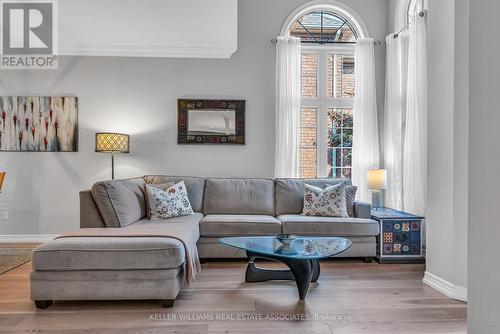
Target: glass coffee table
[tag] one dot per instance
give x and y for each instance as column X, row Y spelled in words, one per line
column 302, row 257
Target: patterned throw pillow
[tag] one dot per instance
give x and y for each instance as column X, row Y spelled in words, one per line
column 328, row 202
column 162, row 186
column 168, row 203
column 350, row 196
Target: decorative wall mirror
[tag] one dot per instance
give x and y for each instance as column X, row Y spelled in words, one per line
column 211, row 121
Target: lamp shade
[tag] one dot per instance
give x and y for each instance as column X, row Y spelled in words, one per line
column 2, row 178
column 109, row 142
column 377, row 179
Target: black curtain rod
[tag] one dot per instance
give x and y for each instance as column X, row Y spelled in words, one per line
column 375, row 42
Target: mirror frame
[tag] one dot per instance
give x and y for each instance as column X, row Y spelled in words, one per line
column 184, row 105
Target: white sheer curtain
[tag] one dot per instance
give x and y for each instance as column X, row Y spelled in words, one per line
column 394, row 117
column 415, row 138
column 287, row 107
column 365, row 147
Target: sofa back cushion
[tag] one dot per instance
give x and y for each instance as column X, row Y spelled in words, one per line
column 239, row 196
column 290, row 193
column 194, row 185
column 120, row 202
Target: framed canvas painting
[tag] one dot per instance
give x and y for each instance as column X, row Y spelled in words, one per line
column 39, row 123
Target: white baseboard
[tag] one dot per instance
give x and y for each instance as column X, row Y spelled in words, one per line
column 449, row 289
column 26, row 238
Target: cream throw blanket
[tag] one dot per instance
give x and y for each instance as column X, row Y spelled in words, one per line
column 187, row 233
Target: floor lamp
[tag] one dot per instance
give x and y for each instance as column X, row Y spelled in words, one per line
column 113, row 143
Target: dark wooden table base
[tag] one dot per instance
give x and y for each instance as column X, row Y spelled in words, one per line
column 302, row 271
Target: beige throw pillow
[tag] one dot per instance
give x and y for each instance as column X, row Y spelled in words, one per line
column 328, row 202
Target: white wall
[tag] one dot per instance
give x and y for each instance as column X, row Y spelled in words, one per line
column 138, row 96
column 447, row 148
column 447, row 184
column 484, row 164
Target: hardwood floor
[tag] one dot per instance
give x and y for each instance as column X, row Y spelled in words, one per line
column 350, row 297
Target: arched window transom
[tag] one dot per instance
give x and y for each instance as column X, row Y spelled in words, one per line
column 323, row 27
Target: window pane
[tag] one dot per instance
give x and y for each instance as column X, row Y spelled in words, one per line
column 334, row 137
column 307, row 148
column 339, row 142
column 347, row 118
column 334, row 158
column 334, row 117
column 335, row 173
column 346, row 137
column 340, row 76
column 347, row 90
column 346, row 173
column 346, row 157
column 309, row 74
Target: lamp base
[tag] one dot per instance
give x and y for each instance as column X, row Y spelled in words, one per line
column 377, row 202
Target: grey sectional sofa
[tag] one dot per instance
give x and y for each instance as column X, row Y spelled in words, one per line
column 152, row 268
column 240, row 207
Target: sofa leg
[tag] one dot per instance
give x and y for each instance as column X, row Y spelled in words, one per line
column 43, row 304
column 368, row 259
column 167, row 303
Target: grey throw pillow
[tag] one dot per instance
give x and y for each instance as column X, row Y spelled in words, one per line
column 350, row 196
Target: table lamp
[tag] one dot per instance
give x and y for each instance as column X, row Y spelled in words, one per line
column 2, row 178
column 377, row 181
column 113, row 143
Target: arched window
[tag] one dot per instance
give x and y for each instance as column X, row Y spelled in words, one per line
column 328, row 34
column 323, row 27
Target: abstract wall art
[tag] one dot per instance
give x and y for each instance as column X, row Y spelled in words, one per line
column 39, row 123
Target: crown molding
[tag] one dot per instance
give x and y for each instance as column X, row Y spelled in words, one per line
column 156, row 51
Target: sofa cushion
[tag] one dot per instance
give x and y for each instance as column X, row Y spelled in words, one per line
column 333, row 226
column 194, row 185
column 290, row 192
column 120, row 202
column 109, row 253
column 145, row 223
column 234, row 225
column 239, row 196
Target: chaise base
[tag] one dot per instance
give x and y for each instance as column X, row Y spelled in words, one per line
column 161, row 284
column 43, row 304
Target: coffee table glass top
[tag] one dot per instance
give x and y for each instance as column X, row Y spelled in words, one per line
column 301, row 248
